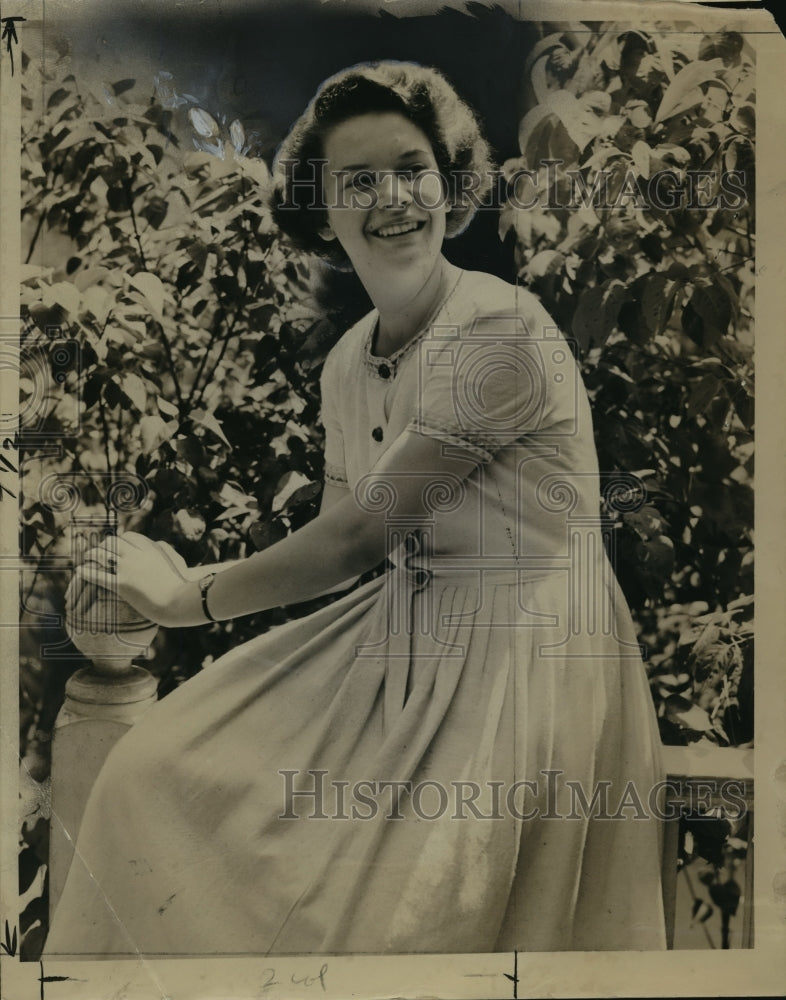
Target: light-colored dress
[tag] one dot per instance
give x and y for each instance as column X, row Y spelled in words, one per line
column 458, row 756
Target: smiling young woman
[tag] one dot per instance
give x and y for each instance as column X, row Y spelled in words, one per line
column 387, row 774
column 392, row 239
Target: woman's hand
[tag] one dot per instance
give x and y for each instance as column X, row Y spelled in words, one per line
column 150, row 576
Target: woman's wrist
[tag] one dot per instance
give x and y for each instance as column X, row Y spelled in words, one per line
column 191, row 606
column 186, row 609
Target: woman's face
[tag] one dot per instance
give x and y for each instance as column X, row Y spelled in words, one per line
column 385, row 197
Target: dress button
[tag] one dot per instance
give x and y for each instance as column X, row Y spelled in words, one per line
column 377, row 434
column 383, row 371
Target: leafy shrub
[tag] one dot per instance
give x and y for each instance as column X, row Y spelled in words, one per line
column 659, row 301
column 181, row 350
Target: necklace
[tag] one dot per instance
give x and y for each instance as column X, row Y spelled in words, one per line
column 386, row 367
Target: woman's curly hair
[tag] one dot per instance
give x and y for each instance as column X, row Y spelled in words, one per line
column 419, row 93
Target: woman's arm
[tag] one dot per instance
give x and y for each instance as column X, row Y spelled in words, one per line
column 342, row 542
column 330, row 495
column 337, row 546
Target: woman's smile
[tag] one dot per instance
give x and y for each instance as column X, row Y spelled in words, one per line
column 392, row 230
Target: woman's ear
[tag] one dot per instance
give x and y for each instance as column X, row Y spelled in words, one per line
column 326, row 232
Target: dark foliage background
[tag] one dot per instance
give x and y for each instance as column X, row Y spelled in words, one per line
column 172, row 341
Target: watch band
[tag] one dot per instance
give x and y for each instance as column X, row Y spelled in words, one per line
column 204, row 585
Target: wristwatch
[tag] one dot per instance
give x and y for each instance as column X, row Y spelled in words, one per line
column 204, row 585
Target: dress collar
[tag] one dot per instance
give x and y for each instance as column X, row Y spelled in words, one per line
column 386, row 368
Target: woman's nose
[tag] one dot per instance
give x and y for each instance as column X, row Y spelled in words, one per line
column 393, row 190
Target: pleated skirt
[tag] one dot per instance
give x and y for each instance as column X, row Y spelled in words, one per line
column 417, row 768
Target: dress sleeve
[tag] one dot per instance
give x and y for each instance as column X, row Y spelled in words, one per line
column 335, row 463
column 493, row 382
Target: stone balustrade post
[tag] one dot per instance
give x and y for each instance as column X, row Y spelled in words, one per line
column 102, row 701
column 100, row 705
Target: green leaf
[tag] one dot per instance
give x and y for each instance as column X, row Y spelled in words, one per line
column 112, row 393
column 303, row 494
column 580, row 121
column 152, row 290
column 706, row 316
column 687, row 715
column 718, row 411
column 712, row 303
column 72, row 134
column 136, row 390
column 57, row 97
column 155, row 211
column 122, row 86
column 597, row 313
column 666, row 54
column 640, row 154
column 230, row 495
column 135, row 327
column 92, row 389
column 266, row 533
column 544, row 263
column 655, row 304
column 709, row 636
column 646, row 522
column 208, row 420
column 167, row 408
column 154, row 430
column 64, row 294
column 685, row 89
column 198, row 252
column 702, row 394
column 548, row 139
column 745, row 407
column 743, row 119
column 543, row 48
column 117, row 199
column 589, row 319
column 693, row 324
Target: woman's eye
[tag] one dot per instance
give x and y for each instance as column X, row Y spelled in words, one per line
column 365, row 180
column 360, row 181
column 409, row 173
